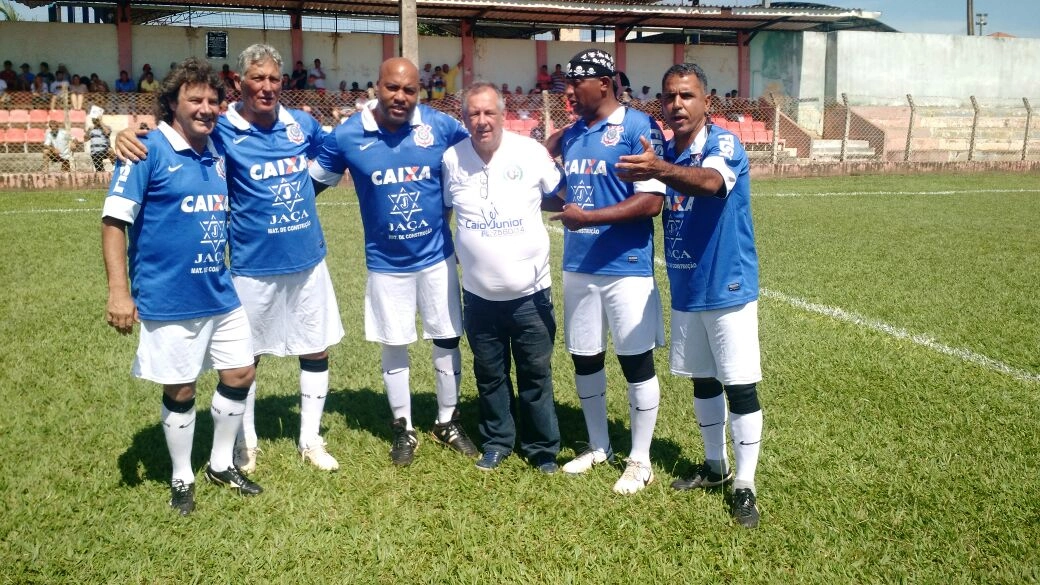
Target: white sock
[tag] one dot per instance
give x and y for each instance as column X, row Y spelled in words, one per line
column 746, row 430
column 179, row 429
column 592, row 392
column 227, row 419
column 395, row 378
column 447, row 371
column 314, row 387
column 247, row 434
column 711, row 419
column 643, row 401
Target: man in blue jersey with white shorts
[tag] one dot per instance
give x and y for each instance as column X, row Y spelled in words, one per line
column 393, row 150
column 713, row 274
column 277, row 245
column 175, row 205
column 608, row 265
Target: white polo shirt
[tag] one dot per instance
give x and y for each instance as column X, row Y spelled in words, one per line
column 500, row 239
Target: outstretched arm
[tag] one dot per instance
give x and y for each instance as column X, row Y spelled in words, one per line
column 686, row 180
column 637, row 207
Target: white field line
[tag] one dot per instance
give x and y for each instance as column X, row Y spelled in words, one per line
column 920, row 339
column 858, row 193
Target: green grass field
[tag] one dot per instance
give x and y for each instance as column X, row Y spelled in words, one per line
column 900, row 346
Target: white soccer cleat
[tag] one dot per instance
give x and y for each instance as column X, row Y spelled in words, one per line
column 245, row 458
column 316, row 454
column 637, row 476
column 586, row 460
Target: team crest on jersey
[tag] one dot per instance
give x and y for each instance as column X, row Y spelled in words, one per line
column 513, row 173
column 294, row 133
column 581, row 195
column 219, row 165
column 423, row 135
column 405, row 203
column 613, row 135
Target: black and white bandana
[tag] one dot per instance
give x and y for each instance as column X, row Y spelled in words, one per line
column 590, row 63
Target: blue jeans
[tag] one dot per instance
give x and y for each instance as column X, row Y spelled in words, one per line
column 521, row 330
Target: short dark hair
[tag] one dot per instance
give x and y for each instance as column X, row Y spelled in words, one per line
column 685, row 70
column 190, row 71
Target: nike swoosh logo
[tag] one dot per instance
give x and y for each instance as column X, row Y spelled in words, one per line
column 238, row 139
column 364, row 147
column 174, row 168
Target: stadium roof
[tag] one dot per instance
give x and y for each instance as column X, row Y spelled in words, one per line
column 540, row 15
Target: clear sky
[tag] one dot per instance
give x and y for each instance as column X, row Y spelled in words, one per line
column 1017, row 17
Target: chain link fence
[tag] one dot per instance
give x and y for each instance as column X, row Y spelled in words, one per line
column 774, row 129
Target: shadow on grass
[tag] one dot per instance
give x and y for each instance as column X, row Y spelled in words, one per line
column 146, row 459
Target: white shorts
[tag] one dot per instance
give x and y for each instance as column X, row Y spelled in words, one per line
column 720, row 344
column 629, row 305
column 391, row 300
column 291, row 314
column 177, row 352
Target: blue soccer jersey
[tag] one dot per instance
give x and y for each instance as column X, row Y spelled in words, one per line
column 709, row 242
column 176, row 204
column 274, row 221
column 589, row 155
column 397, row 176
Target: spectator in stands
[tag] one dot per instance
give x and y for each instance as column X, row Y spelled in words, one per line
column 98, row 85
column 77, row 92
column 100, row 147
column 8, row 76
column 145, row 70
column 438, row 90
column 505, row 89
column 426, row 76
column 41, row 92
column 299, row 76
column 124, row 84
column 45, row 72
column 25, row 78
column 59, row 90
column 4, row 98
column 543, row 80
column 644, row 95
column 354, row 86
column 319, row 75
column 148, row 84
column 626, row 96
column 559, row 80
column 286, row 82
column 451, row 77
column 228, row 77
column 57, row 147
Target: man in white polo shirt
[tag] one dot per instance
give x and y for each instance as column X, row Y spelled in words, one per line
column 495, row 182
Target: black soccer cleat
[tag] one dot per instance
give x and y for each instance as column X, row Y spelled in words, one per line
column 743, row 508
column 233, row 478
column 451, row 434
column 182, row 497
column 703, row 478
column 405, row 442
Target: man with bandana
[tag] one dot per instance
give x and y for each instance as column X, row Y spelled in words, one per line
column 608, row 263
column 393, row 151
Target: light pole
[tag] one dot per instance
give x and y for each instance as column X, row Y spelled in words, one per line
column 971, row 16
column 980, row 20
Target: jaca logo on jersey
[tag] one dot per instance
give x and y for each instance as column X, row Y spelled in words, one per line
column 613, row 135
column 423, row 135
column 294, row 133
column 586, row 166
column 197, row 203
column 400, row 175
column 279, row 168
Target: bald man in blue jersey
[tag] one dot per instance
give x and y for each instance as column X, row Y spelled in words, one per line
column 713, row 274
column 393, row 149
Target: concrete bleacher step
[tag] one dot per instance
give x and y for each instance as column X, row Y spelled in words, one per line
column 828, row 149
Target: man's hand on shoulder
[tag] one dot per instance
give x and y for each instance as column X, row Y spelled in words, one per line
column 128, row 146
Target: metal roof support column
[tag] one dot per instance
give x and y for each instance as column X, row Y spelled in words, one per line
column 620, row 54
column 744, row 64
column 466, row 32
column 389, row 46
column 541, row 54
column 409, row 31
column 124, row 38
column 678, row 54
column 295, row 37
